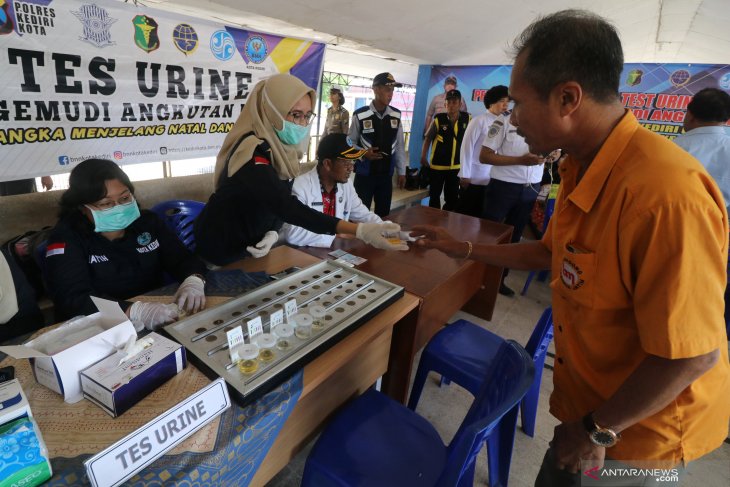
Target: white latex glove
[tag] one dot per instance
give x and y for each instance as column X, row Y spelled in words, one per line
column 152, row 315
column 190, row 296
column 372, row 234
column 262, row 248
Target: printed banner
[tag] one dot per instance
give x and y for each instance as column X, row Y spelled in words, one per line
column 112, row 80
column 658, row 94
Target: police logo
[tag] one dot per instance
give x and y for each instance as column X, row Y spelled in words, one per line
column 256, row 49
column 145, row 33
column 96, row 22
column 367, row 124
column 394, row 123
column 6, row 18
column 185, row 38
column 222, row 45
column 570, row 275
column 144, row 238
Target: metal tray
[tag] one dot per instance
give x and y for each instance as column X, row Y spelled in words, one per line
column 351, row 298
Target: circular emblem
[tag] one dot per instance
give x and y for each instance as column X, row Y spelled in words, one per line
column 144, row 238
column 256, row 49
column 493, row 131
column 680, row 77
column 185, row 38
column 724, row 82
column 571, row 275
column 222, row 45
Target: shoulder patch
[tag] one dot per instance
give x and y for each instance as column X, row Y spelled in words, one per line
column 55, row 249
column 494, row 130
column 261, row 160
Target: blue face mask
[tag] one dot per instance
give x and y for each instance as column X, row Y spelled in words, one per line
column 291, row 133
column 115, row 218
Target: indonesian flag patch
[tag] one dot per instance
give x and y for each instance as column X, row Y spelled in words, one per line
column 55, row 249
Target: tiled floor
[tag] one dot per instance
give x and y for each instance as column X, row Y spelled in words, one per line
column 445, row 407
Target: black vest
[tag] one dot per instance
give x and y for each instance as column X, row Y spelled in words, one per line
column 380, row 133
column 446, row 144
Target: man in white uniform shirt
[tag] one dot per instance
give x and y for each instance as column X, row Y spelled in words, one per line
column 327, row 188
column 473, row 175
column 515, row 180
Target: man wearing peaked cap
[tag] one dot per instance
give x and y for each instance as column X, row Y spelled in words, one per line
column 378, row 129
column 328, row 189
column 438, row 102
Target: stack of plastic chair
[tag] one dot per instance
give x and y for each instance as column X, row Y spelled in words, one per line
column 376, row 441
column 542, row 275
column 179, row 215
column 462, row 352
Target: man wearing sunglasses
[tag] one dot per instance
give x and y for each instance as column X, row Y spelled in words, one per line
column 327, row 188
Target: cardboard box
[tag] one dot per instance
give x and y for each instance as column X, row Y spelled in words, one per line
column 116, row 387
column 13, row 403
column 59, row 371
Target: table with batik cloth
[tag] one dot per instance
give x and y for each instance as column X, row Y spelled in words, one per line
column 245, row 445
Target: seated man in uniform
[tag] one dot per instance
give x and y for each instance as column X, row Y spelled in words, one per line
column 327, row 188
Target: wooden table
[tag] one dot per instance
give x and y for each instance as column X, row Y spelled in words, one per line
column 339, row 374
column 444, row 285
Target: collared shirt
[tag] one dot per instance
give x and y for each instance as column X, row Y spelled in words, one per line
column 438, row 105
column 399, row 150
column 503, row 139
column 338, row 121
column 711, row 146
column 639, row 250
column 471, row 146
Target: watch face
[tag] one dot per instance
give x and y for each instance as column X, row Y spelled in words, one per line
column 603, row 438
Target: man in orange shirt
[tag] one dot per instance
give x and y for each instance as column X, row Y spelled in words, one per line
column 637, row 246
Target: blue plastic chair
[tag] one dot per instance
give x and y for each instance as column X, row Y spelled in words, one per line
column 541, row 275
column 463, row 351
column 179, row 215
column 376, row 441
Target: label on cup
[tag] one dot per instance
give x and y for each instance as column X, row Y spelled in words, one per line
column 290, row 308
column 255, row 327
column 235, row 339
column 276, row 319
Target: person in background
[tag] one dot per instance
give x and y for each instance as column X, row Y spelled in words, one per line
column 24, row 186
column 438, row 103
column 259, row 158
column 707, row 136
column 473, row 175
column 445, row 136
column 515, row 180
column 327, row 188
column 338, row 118
column 19, row 312
column 637, row 246
column 104, row 246
column 378, row 129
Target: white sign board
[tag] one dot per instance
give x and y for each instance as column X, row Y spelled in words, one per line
column 114, row 80
column 139, row 449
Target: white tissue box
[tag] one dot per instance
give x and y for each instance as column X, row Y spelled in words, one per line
column 59, row 355
column 116, row 387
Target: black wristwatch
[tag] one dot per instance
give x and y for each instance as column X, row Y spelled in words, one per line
column 600, row 436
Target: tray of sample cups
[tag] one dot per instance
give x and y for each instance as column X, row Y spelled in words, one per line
column 258, row 339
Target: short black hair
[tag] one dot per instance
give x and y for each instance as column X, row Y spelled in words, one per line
column 572, row 45
column 494, row 94
column 87, row 184
column 710, row 105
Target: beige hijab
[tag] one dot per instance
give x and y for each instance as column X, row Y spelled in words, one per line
column 270, row 101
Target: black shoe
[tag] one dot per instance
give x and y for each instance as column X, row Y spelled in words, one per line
column 505, row 291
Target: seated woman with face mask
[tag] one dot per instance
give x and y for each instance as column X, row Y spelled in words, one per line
column 104, row 246
column 253, row 173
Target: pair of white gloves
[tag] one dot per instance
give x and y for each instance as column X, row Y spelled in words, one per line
column 190, row 297
column 370, row 233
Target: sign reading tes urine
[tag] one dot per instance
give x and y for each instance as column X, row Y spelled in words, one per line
column 136, row 451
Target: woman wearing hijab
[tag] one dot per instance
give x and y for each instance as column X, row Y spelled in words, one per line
column 104, row 246
column 259, row 158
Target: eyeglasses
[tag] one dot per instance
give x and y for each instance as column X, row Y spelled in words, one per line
column 346, row 162
column 109, row 204
column 301, row 118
